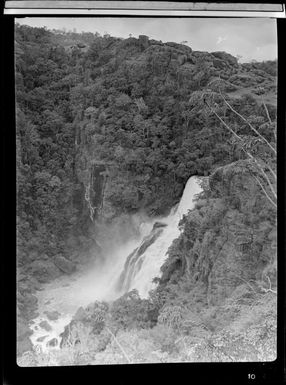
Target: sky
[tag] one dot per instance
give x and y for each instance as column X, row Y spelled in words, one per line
column 250, row 38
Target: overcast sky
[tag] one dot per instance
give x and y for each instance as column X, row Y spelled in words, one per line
column 250, row 38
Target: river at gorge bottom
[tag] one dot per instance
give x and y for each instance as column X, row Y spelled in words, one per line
column 59, row 300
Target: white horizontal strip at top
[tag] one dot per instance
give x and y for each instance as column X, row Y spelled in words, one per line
column 144, row 5
column 132, row 12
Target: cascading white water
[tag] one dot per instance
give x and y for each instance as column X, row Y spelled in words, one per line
column 140, row 270
column 134, row 262
column 66, row 294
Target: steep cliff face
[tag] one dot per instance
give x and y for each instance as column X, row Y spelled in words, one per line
column 228, row 240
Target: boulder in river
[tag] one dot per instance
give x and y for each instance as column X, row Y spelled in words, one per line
column 45, row 325
column 66, row 333
column 53, row 342
column 80, row 314
column 64, row 264
column 41, row 339
column 52, row 315
column 158, row 225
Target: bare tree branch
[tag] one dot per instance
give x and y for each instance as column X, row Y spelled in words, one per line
column 258, row 165
column 223, row 122
column 267, row 112
column 272, row 172
column 120, row 347
column 269, row 289
column 242, row 279
column 265, row 192
column 249, row 124
column 266, row 177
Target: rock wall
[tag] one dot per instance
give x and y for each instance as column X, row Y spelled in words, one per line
column 228, row 240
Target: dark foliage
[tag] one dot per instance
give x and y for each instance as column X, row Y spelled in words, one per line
column 85, row 100
column 105, row 126
column 130, row 311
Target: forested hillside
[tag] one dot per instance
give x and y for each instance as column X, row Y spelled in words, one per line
column 109, row 126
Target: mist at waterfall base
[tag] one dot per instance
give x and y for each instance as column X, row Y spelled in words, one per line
column 132, row 258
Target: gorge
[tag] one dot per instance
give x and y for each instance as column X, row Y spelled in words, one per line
column 118, row 259
column 63, row 298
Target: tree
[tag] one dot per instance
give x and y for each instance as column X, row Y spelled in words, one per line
column 260, row 152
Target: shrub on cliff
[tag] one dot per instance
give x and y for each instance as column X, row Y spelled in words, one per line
column 130, row 311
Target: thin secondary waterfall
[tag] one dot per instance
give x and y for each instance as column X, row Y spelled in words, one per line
column 132, row 264
column 144, row 263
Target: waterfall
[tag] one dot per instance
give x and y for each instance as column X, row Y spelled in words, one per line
column 130, row 262
column 144, row 263
column 87, row 198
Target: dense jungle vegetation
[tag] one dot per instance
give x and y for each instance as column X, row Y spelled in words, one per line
column 145, row 116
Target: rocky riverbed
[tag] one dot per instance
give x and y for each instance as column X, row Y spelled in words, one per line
column 48, row 307
column 32, row 281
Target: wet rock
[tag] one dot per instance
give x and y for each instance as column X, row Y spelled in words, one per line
column 53, row 342
column 45, row 325
column 80, row 314
column 64, row 264
column 148, row 241
column 66, row 333
column 158, row 225
column 41, row 339
column 52, row 315
column 93, row 315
